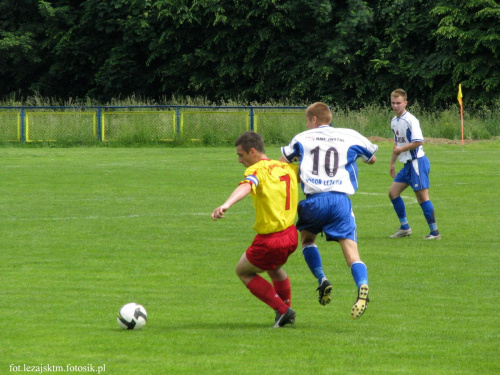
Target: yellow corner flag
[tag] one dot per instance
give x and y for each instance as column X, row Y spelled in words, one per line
column 459, row 98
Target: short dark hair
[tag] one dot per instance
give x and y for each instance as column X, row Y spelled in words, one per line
column 249, row 140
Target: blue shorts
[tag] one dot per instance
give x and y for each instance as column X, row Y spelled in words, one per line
column 330, row 213
column 415, row 173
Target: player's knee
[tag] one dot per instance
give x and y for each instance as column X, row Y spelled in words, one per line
column 243, row 272
column 306, row 244
column 239, row 270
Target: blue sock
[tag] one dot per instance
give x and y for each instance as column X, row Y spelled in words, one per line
column 313, row 260
column 359, row 273
column 428, row 210
column 399, row 207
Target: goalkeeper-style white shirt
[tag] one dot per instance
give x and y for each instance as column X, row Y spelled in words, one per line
column 407, row 129
column 327, row 158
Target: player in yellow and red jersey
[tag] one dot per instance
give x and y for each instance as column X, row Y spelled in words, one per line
column 273, row 186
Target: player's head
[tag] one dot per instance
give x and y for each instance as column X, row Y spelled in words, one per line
column 399, row 92
column 399, row 101
column 249, row 140
column 250, row 148
column 318, row 114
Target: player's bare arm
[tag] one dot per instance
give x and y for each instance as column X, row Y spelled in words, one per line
column 372, row 160
column 238, row 194
column 392, row 168
column 283, row 159
column 410, row 146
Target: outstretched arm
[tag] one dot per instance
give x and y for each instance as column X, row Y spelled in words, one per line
column 283, row 159
column 371, row 161
column 238, row 194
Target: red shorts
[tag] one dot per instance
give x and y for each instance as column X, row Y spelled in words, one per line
column 268, row 251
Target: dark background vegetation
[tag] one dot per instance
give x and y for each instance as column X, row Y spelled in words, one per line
column 348, row 53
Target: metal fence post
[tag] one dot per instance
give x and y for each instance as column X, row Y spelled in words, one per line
column 178, row 121
column 22, row 126
column 251, row 119
column 99, row 124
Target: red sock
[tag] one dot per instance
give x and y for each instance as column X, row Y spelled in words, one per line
column 264, row 291
column 284, row 290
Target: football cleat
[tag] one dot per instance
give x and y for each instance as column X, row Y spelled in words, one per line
column 401, row 233
column 324, row 291
column 282, row 319
column 360, row 306
column 433, row 236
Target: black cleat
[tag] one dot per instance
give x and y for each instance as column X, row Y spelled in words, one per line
column 287, row 318
column 324, row 291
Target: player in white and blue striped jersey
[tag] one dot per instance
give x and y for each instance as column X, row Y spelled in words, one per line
column 408, row 149
column 329, row 174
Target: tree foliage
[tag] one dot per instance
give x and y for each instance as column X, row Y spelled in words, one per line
column 345, row 52
column 470, row 34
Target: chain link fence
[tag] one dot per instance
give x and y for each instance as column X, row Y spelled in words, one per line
column 127, row 125
column 10, row 126
column 279, row 127
column 136, row 126
column 213, row 127
column 60, row 126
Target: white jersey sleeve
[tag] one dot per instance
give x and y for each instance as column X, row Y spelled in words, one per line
column 407, row 129
column 327, row 158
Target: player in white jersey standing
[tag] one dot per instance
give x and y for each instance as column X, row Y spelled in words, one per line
column 329, row 174
column 408, row 141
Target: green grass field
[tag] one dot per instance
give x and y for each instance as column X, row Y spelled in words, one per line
column 85, row 230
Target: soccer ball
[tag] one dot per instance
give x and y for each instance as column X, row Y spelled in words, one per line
column 132, row 316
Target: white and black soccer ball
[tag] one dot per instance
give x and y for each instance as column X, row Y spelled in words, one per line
column 132, row 316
